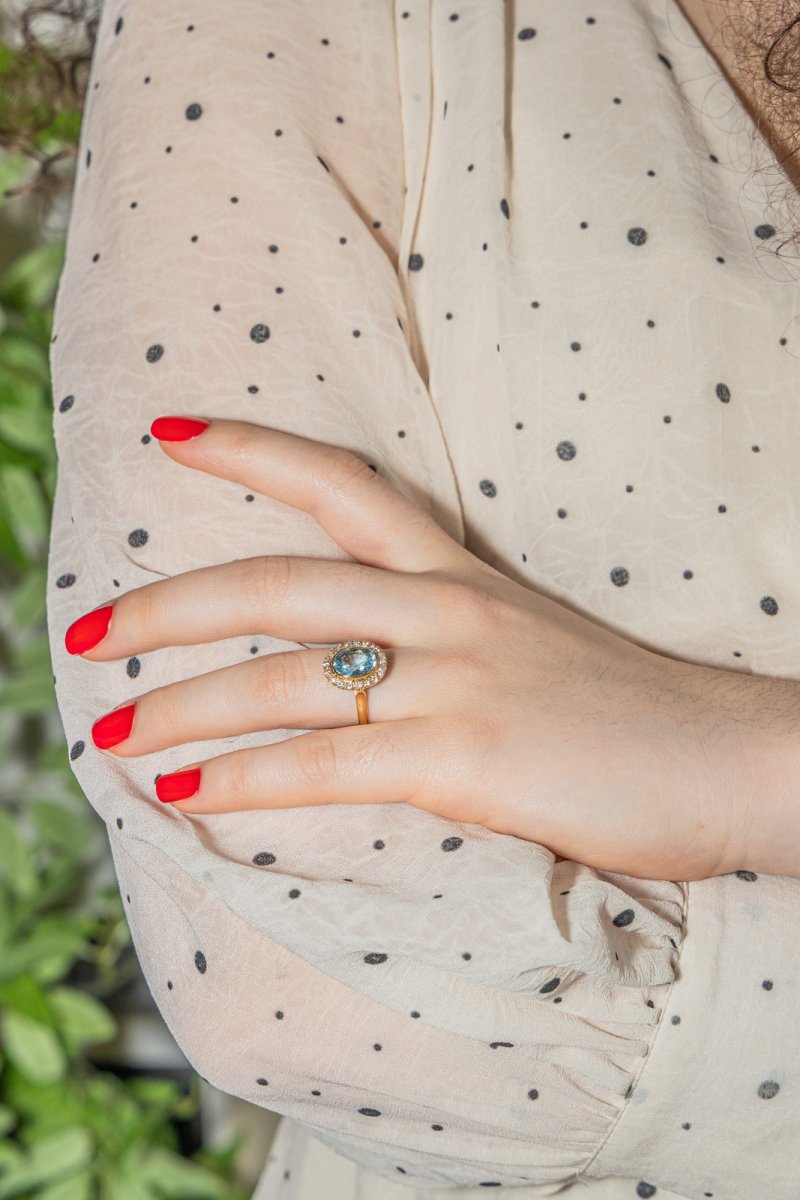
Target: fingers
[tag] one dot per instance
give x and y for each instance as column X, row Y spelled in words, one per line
column 293, row 598
column 358, row 764
column 360, row 510
column 286, row 690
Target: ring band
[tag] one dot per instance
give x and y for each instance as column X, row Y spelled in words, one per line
column 357, row 665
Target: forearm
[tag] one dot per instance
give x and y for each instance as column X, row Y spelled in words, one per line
column 751, row 727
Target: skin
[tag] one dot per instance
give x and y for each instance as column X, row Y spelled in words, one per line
column 499, row 707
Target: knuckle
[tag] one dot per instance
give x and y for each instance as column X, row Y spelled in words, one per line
column 267, row 577
column 316, row 758
column 238, row 779
column 340, row 468
column 238, row 448
column 462, row 600
column 280, row 681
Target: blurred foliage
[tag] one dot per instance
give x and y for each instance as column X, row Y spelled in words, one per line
column 68, row 1130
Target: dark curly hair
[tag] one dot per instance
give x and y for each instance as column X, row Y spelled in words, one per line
column 45, row 85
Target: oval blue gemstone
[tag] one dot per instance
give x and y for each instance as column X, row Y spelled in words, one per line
column 355, row 662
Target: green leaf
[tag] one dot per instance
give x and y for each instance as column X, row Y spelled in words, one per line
column 172, row 1176
column 20, row 493
column 8, row 1120
column 82, row 1020
column 28, row 427
column 33, row 1049
column 28, row 599
column 63, row 935
column 24, row 364
column 11, row 552
column 31, row 279
column 17, row 866
column 57, row 824
column 77, row 1187
column 30, row 688
column 50, row 1160
column 116, row 1186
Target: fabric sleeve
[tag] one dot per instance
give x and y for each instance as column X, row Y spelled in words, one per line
column 441, row 1003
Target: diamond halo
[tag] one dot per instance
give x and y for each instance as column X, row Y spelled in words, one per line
column 357, row 683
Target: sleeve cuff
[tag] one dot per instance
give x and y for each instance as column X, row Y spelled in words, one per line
column 715, row 1107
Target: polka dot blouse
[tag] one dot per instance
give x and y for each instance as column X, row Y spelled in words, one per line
column 525, row 259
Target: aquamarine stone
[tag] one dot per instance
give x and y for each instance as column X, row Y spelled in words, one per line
column 355, row 662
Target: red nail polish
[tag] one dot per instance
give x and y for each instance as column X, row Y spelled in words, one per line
column 177, row 429
column 113, row 727
column 88, row 630
column 178, row 786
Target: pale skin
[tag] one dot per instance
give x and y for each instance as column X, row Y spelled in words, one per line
column 593, row 746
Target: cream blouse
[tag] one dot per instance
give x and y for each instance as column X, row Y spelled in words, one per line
column 524, row 258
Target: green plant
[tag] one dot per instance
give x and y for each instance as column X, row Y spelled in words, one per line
column 68, row 1129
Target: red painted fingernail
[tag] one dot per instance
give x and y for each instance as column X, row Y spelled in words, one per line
column 177, row 429
column 178, row 786
column 113, row 727
column 88, row 630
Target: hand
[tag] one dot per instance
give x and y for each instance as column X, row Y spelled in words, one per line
column 499, row 707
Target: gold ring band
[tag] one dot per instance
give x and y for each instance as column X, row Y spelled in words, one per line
column 356, row 665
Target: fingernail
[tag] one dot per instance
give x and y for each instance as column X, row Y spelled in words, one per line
column 88, row 630
column 178, row 786
column 177, row 429
column 113, row 727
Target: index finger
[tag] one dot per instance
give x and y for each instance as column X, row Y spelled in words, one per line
column 361, row 511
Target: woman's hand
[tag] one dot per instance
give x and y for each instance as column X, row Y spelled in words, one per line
column 499, row 707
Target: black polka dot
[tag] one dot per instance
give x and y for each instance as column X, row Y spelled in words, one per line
column 533, row 1094
column 764, row 231
column 370, row 1112
column 488, row 488
column 118, row 26
column 566, row 451
column 637, row 236
column 193, row 112
column 768, row 1089
column 259, row 333
column 65, row 581
column 767, row 985
column 415, row 262
column 138, row 537
column 452, row 843
column 154, row 353
column 619, row 576
column 551, row 985
column 133, row 667
column 645, row 1190
column 526, row 34
column 66, row 404
column 76, row 750
column 724, row 392
column 624, row 918
column 200, row 962
column 748, row 876
column 769, row 605
column 264, row 858
column 375, row 958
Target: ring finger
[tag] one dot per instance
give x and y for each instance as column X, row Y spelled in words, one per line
column 283, row 690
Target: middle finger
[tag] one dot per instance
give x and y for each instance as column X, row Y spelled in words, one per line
column 293, row 598
column 283, row 690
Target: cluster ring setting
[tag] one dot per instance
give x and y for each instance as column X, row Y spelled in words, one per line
column 356, row 665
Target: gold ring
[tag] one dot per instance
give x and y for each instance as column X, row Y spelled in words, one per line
column 358, row 666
